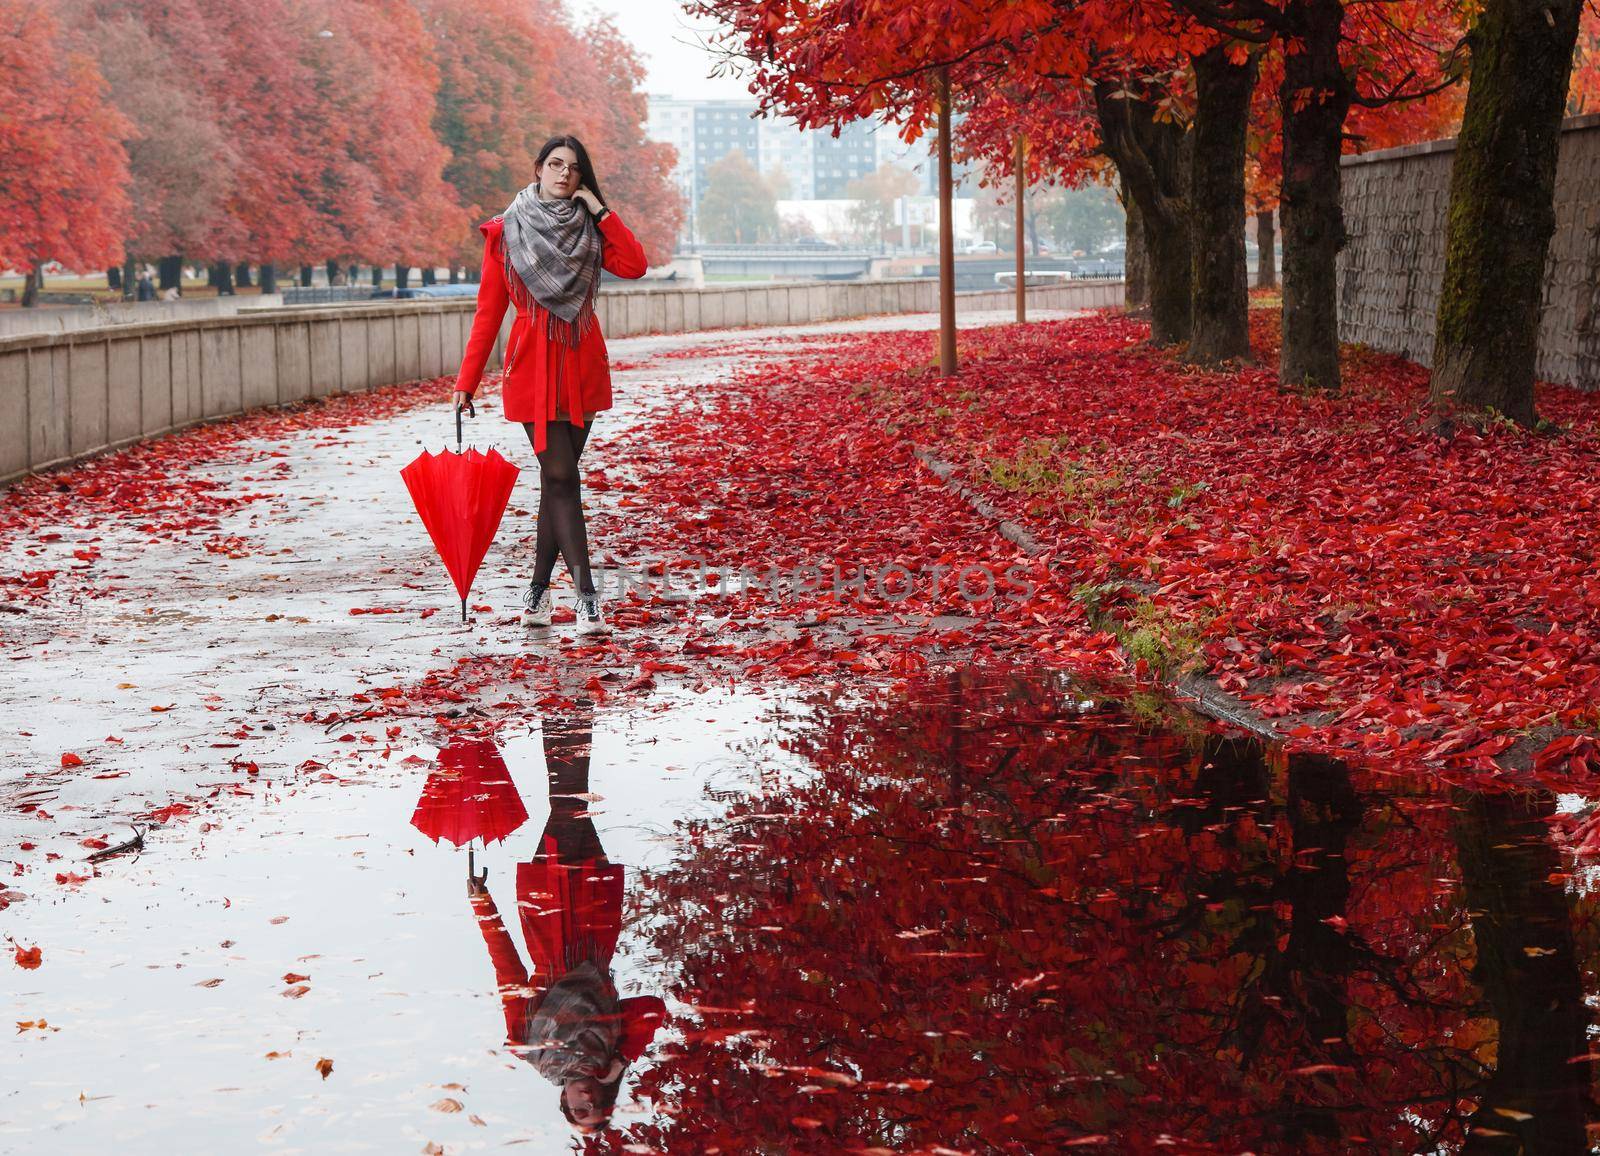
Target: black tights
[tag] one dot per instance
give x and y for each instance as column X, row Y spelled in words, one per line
column 561, row 531
column 566, row 755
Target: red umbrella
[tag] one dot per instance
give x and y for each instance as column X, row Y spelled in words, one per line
column 461, row 497
column 471, row 796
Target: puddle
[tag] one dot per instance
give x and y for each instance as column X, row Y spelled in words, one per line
column 993, row 914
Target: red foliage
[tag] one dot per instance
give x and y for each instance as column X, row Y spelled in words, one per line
column 1330, row 560
column 63, row 171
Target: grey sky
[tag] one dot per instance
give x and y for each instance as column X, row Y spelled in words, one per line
column 670, row 44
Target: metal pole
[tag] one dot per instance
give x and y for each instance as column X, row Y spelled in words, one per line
column 947, row 234
column 1022, row 189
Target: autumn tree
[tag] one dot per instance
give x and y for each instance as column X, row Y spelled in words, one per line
column 876, row 196
column 1502, row 206
column 738, row 206
column 381, row 187
column 63, row 168
column 510, row 77
column 1054, row 123
column 1153, row 158
column 496, row 104
column 1225, row 77
column 182, row 161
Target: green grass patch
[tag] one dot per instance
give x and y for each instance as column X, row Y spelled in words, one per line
column 1047, row 468
column 1165, row 642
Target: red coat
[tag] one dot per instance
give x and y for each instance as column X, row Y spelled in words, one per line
column 570, row 912
column 526, row 395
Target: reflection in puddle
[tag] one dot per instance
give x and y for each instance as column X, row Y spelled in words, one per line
column 563, row 1014
column 987, row 926
column 986, row 915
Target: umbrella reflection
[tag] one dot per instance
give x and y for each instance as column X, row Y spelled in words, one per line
column 470, row 796
column 563, row 1013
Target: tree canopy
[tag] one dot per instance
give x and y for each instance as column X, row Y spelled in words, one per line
column 299, row 131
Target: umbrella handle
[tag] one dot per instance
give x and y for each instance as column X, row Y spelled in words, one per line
column 470, row 413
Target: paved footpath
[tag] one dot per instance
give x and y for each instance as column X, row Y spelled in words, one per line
column 197, row 689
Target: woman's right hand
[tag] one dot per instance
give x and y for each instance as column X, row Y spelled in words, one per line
column 463, row 401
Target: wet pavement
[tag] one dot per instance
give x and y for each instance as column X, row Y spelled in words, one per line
column 976, row 911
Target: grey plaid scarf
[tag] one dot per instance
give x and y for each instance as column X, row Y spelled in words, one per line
column 553, row 247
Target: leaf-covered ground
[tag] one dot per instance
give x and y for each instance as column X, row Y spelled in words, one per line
column 1372, row 587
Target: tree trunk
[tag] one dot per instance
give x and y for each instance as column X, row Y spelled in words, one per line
column 429, row 275
column 241, row 275
column 1528, row 963
column 32, row 285
column 1502, row 212
column 402, row 275
column 1315, row 98
column 455, row 274
column 1266, row 251
column 114, row 277
column 1220, row 286
column 130, row 275
column 169, row 273
column 269, row 277
column 222, row 278
column 305, row 276
column 352, row 273
column 377, row 276
column 1136, row 261
column 1152, row 158
column 1170, row 270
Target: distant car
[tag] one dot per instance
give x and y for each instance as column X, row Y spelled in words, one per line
column 982, row 247
column 815, row 243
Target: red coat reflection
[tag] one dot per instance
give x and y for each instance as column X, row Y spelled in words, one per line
column 563, row 1013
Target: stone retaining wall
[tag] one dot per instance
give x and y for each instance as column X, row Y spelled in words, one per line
column 1395, row 204
column 67, row 396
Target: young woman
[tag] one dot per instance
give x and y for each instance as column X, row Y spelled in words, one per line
column 544, row 255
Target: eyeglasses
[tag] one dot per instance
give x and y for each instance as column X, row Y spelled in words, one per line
column 559, row 166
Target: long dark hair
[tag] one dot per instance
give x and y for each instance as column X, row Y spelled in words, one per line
column 585, row 166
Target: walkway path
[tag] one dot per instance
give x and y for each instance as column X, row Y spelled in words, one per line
column 204, row 685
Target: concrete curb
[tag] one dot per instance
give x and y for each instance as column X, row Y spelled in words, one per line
column 1199, row 693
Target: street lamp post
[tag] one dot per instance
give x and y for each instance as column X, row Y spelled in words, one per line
column 1019, row 163
column 947, row 234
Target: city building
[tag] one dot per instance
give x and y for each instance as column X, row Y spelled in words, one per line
column 814, row 164
column 788, row 149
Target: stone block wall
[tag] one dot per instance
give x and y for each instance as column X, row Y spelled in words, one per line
column 68, row 396
column 1390, row 271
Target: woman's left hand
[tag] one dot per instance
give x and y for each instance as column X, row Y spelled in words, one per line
column 586, row 195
